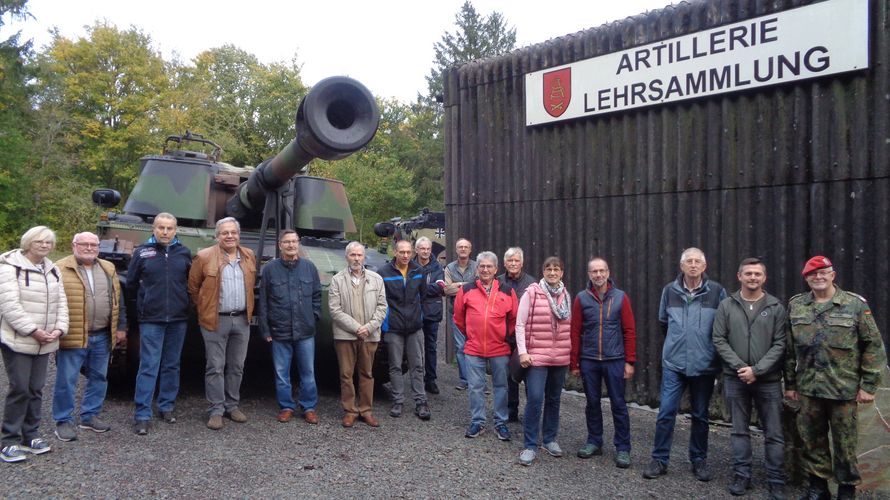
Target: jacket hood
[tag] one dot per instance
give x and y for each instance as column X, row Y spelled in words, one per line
column 16, row 258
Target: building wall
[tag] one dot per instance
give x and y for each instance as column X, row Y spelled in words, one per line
column 782, row 173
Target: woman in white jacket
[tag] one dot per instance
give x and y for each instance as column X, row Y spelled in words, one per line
column 33, row 315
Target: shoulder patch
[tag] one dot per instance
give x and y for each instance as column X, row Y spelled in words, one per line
column 792, row 299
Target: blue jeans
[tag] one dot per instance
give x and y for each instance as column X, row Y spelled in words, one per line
column 476, row 382
column 68, row 365
column 160, row 347
column 459, row 341
column 767, row 397
column 543, row 386
column 592, row 375
column 430, row 337
column 672, row 386
column 282, row 354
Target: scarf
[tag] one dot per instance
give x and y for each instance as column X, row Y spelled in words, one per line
column 561, row 311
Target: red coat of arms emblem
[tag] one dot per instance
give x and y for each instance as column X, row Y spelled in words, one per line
column 557, row 91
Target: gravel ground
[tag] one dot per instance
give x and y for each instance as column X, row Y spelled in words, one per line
column 404, row 458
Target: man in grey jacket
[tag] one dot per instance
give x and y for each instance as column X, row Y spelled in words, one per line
column 358, row 305
column 749, row 335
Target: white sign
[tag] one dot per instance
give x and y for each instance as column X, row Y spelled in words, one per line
column 813, row 41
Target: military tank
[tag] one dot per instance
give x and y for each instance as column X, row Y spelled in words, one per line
column 338, row 117
column 427, row 223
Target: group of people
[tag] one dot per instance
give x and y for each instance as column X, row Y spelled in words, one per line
column 824, row 345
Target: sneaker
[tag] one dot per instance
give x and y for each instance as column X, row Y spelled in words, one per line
column 553, row 449
column 474, row 430
column 215, row 422
column 37, row 446
column 167, row 416
column 13, row 453
column 237, row 416
column 503, row 432
column 622, row 459
column 527, row 456
column 94, row 424
column 432, row 388
column 140, row 427
column 461, row 386
column 654, row 469
column 396, row 410
column 701, row 470
column 65, row 431
column 422, row 410
column 740, row 485
column 589, row 450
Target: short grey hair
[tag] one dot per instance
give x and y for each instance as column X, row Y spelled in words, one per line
column 514, row 251
column 37, row 233
column 691, row 250
column 80, row 235
column 489, row 256
column 165, row 215
column 421, row 241
column 226, row 220
column 353, row 244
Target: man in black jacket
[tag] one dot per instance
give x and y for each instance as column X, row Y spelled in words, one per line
column 432, row 309
column 402, row 329
column 158, row 278
column 749, row 335
column 290, row 305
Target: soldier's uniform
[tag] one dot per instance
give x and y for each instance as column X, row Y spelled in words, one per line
column 834, row 349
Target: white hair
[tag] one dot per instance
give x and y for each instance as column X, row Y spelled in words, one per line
column 489, row 256
column 226, row 220
column 353, row 244
column 692, row 250
column 514, row 251
column 422, row 240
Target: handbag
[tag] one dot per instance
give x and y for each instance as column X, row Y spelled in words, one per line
column 517, row 372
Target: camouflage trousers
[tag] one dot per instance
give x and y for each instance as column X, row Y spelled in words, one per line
column 815, row 418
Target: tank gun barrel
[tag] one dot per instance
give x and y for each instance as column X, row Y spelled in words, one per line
column 337, row 118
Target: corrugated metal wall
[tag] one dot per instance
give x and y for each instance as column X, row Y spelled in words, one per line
column 782, row 173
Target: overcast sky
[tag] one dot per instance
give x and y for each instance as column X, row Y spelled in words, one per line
column 387, row 45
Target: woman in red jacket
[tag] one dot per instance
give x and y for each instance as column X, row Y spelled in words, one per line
column 544, row 342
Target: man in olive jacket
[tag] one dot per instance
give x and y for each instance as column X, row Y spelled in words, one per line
column 749, row 335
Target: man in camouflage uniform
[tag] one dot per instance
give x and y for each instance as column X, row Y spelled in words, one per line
column 834, row 360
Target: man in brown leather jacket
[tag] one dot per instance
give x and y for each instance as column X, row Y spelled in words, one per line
column 221, row 282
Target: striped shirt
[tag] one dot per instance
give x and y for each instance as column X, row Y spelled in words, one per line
column 231, row 287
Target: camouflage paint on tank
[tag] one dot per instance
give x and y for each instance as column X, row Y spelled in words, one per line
column 321, row 205
column 177, row 187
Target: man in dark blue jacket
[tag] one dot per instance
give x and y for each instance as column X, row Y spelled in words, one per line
column 158, row 278
column 290, row 305
column 686, row 313
column 402, row 329
column 432, row 309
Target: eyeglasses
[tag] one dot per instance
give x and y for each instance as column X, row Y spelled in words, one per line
column 822, row 273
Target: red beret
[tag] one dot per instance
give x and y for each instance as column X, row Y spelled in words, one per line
column 816, row 263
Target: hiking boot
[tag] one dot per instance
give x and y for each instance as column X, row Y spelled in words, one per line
column 94, row 424
column 215, row 422
column 622, row 459
column 503, row 432
column 285, row 415
column 237, row 416
column 422, row 410
column 396, row 410
column 740, row 485
column 513, row 417
column 432, row 388
column 13, row 453
column 655, row 469
column 310, row 417
column 474, row 430
column 845, row 491
column 701, row 471
column 527, row 456
column 65, row 431
column 776, row 491
column 167, row 416
column 140, row 427
column 37, row 447
column 589, row 450
column 553, row 449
